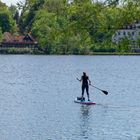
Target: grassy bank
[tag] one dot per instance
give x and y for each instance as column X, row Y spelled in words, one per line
column 38, row 52
column 19, row 51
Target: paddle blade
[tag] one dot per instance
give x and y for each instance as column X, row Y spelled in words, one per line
column 105, row 92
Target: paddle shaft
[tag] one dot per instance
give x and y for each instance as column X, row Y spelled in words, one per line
column 95, row 87
column 105, row 92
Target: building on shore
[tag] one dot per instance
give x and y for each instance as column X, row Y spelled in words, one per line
column 24, row 41
column 132, row 33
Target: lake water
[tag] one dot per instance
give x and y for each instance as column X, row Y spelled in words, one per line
column 37, row 98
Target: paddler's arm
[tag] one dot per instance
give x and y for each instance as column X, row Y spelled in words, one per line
column 89, row 81
column 79, row 79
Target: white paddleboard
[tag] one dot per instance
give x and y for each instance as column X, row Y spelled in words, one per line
column 84, row 102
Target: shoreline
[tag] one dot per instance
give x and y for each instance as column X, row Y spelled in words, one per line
column 90, row 54
column 35, row 51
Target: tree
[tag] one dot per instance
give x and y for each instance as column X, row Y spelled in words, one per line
column 7, row 23
column 29, row 10
column 79, row 26
column 0, row 34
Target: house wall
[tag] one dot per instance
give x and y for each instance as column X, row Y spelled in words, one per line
column 131, row 32
column 26, row 41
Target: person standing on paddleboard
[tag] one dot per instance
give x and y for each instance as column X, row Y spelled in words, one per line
column 85, row 85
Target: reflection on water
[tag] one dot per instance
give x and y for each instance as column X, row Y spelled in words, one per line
column 85, row 120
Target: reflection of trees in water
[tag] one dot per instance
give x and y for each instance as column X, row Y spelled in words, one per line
column 85, row 110
column 85, row 121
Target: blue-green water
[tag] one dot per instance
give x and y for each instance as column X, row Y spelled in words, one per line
column 37, row 94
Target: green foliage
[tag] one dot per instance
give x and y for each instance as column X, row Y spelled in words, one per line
column 7, row 23
column 123, row 45
column 17, row 51
column 81, row 27
column 28, row 14
column 13, row 9
column 0, row 34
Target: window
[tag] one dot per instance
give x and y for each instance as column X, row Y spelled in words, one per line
column 133, row 33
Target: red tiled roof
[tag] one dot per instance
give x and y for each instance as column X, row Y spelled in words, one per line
column 7, row 37
column 19, row 38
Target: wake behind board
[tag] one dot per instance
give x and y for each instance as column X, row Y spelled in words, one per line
column 84, row 102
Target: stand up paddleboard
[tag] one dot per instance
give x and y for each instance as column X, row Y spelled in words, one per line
column 84, row 102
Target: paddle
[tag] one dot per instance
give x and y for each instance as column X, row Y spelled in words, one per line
column 105, row 92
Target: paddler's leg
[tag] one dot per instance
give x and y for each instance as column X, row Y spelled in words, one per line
column 87, row 92
column 83, row 88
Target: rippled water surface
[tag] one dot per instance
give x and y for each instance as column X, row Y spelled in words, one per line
column 37, row 98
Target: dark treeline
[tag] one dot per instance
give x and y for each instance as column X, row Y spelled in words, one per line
column 72, row 27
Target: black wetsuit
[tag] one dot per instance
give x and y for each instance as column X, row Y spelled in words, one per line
column 85, row 84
